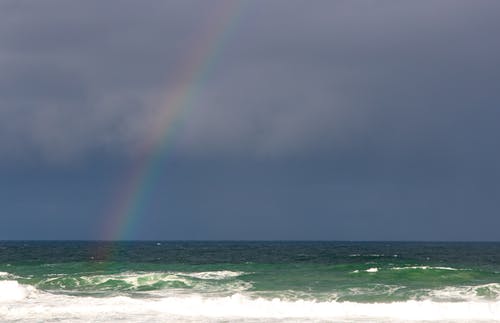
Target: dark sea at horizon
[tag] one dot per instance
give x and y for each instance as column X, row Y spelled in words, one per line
column 249, row 281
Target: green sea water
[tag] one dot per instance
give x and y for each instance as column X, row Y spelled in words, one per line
column 333, row 274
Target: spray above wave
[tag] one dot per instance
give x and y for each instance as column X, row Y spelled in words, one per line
column 11, row 290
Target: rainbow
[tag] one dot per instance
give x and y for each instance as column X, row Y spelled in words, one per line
column 126, row 207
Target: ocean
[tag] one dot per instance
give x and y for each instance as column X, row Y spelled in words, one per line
column 160, row 281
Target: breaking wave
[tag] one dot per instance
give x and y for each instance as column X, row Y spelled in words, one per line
column 21, row 302
column 209, row 281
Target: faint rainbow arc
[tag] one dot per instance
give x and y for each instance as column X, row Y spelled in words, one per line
column 140, row 181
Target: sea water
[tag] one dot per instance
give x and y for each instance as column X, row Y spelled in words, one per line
column 158, row 281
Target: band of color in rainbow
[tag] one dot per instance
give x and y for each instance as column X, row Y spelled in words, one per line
column 126, row 208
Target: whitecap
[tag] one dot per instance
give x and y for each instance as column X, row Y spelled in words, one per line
column 239, row 307
column 467, row 293
column 424, row 268
column 11, row 290
column 214, row 275
column 136, row 279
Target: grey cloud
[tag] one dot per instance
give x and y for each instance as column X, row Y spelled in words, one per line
column 291, row 77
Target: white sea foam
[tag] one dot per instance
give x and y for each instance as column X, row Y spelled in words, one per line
column 374, row 269
column 137, row 279
column 25, row 305
column 11, row 290
column 3, row 273
column 210, row 281
column 377, row 289
column 214, row 275
column 424, row 268
column 369, row 270
column 470, row 293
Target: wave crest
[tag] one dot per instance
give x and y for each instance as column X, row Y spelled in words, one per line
column 425, row 268
column 210, row 281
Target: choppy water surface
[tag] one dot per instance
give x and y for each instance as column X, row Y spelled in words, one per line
column 249, row 281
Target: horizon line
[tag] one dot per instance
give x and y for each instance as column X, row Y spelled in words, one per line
column 250, row 240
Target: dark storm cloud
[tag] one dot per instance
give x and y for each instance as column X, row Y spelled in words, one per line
column 291, row 77
column 76, row 77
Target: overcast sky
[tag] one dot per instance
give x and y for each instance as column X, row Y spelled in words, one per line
column 336, row 120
